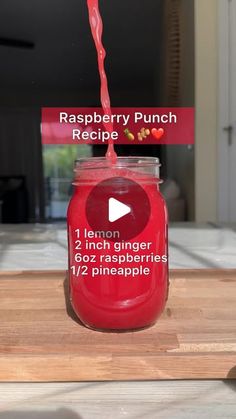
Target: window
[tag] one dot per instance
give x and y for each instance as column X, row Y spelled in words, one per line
column 58, row 164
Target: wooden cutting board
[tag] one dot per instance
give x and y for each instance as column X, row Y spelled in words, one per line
column 40, row 339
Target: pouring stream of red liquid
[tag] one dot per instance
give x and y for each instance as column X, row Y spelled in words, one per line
column 96, row 25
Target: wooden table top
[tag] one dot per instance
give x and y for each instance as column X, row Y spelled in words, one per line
column 41, row 340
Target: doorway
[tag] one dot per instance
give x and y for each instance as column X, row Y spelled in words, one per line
column 227, row 111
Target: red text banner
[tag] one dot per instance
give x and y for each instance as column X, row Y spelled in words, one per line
column 123, row 126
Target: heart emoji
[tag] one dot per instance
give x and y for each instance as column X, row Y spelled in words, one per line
column 158, row 133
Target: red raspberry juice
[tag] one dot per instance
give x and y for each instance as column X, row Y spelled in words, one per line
column 117, row 302
column 120, row 302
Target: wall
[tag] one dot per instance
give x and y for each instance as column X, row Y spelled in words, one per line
column 206, row 94
column 196, row 172
column 180, row 159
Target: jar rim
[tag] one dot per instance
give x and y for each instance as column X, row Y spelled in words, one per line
column 87, row 170
column 121, row 162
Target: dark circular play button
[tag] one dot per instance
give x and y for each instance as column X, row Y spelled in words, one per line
column 118, row 207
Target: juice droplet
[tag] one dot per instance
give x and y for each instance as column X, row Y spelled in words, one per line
column 96, row 29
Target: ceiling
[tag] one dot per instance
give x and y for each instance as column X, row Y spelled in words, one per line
column 64, row 56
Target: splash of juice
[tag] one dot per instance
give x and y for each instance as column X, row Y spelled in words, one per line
column 97, row 29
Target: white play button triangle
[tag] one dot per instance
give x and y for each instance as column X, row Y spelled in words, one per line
column 117, row 210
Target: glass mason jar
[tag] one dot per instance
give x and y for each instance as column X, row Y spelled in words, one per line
column 118, row 243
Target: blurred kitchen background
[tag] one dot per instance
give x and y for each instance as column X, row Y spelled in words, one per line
column 159, row 53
